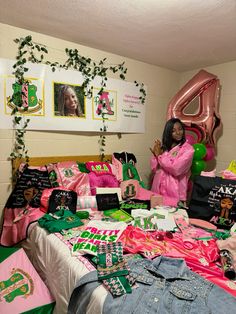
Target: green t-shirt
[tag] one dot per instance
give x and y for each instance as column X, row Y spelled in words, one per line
column 61, row 219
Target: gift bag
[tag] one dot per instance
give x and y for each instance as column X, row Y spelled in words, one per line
column 230, row 172
column 214, row 199
column 232, row 166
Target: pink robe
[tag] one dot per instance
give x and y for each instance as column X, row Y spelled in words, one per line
column 171, row 173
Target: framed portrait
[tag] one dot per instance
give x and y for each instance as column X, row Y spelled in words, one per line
column 69, row 100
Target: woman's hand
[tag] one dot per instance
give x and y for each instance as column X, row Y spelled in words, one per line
column 156, row 150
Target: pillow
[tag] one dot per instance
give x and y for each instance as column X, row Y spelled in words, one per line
column 61, row 199
column 98, row 167
column 67, row 174
column 28, row 188
column 44, row 201
column 105, row 180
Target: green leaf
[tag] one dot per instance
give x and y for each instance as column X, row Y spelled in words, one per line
column 28, row 38
column 44, row 49
column 19, row 141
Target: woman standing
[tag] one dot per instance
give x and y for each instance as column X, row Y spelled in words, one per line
column 171, row 163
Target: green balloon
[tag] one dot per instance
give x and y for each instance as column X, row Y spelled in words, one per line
column 199, row 151
column 198, row 166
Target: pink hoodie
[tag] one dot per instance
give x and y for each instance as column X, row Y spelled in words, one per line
column 171, row 177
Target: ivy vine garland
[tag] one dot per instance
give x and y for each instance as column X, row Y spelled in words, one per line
column 29, row 51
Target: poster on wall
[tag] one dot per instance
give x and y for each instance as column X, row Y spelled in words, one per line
column 56, row 101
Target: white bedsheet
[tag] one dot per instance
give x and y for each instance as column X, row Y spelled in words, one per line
column 59, row 270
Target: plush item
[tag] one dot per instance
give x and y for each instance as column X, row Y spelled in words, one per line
column 105, row 180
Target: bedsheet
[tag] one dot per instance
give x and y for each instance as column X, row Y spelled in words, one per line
column 59, row 269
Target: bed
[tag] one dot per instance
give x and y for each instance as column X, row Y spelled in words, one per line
column 52, row 258
column 59, row 270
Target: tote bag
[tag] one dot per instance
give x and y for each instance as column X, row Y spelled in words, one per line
column 214, row 199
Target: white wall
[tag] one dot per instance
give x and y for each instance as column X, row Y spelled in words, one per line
column 162, row 84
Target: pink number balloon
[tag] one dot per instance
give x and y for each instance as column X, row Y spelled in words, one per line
column 197, row 133
column 190, row 139
column 206, row 123
column 210, row 152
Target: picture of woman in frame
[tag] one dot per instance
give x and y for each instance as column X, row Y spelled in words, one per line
column 69, row 100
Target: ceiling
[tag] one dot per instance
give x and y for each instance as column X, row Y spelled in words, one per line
column 179, row 35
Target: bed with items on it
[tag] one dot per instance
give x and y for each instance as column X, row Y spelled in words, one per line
column 103, row 243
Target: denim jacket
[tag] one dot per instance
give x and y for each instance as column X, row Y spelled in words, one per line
column 163, row 285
